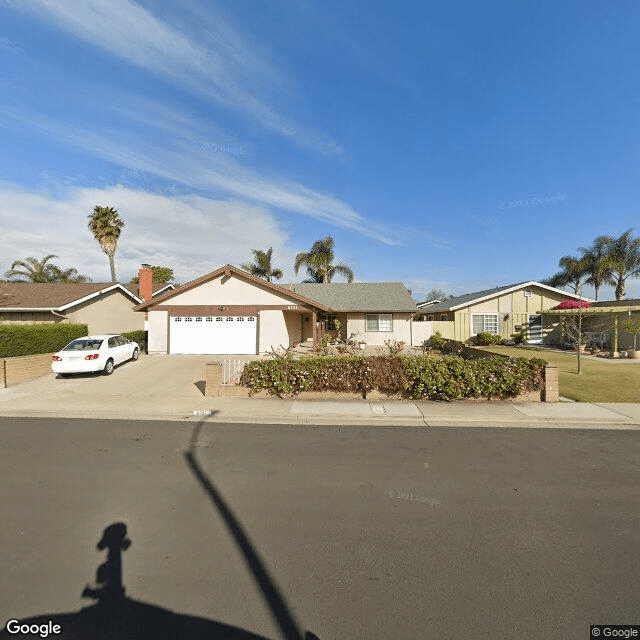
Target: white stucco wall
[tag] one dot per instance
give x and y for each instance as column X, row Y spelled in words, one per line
column 158, row 338
column 401, row 329
column 272, row 330
column 230, row 290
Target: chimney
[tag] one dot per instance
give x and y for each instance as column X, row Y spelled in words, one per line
column 145, row 285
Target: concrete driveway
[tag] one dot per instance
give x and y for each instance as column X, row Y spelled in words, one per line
column 161, row 376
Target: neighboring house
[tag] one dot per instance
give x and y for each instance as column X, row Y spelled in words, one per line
column 603, row 324
column 500, row 311
column 229, row 311
column 103, row 307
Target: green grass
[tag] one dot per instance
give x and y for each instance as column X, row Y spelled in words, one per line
column 600, row 381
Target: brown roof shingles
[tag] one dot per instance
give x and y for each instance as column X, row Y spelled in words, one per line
column 45, row 295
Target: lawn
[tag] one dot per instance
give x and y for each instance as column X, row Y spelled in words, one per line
column 600, row 381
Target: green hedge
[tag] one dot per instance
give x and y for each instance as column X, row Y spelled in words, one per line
column 420, row 377
column 138, row 336
column 30, row 339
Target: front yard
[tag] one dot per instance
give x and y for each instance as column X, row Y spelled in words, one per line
column 600, row 380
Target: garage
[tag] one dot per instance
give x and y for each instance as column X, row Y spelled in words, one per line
column 213, row 334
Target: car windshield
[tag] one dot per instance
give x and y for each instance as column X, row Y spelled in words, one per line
column 83, row 345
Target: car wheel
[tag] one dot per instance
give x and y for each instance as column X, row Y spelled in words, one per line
column 108, row 368
column 136, row 353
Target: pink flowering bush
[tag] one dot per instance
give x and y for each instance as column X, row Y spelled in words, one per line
column 573, row 304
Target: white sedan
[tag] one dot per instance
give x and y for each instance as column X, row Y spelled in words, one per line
column 94, row 353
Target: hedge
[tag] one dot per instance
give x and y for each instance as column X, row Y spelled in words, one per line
column 139, row 336
column 448, row 377
column 31, row 339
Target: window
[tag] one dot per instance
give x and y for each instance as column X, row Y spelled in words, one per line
column 209, row 320
column 528, row 293
column 378, row 322
column 484, row 323
column 330, row 322
column 188, row 319
column 198, row 319
column 240, row 319
column 252, row 319
column 229, row 319
column 177, row 319
column 444, row 316
column 218, row 319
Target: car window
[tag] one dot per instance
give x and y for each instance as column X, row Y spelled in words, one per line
column 83, row 345
column 113, row 342
column 119, row 340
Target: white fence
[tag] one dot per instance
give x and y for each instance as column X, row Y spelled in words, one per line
column 232, row 370
column 421, row 330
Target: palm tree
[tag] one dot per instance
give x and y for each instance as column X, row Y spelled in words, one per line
column 318, row 262
column 624, row 260
column 573, row 271
column 261, row 265
column 105, row 224
column 598, row 264
column 34, row 270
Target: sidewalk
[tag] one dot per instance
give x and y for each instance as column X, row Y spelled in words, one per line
column 18, row 402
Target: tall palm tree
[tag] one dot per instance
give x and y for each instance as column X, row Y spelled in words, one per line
column 319, row 262
column 624, row 258
column 572, row 274
column 106, row 225
column 598, row 264
column 34, row 270
column 261, row 265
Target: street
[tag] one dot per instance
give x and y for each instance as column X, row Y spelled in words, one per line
column 368, row 532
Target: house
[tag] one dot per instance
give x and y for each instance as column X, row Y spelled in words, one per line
column 229, row 311
column 103, row 307
column 500, row 311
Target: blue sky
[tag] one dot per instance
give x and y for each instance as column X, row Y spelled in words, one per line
column 457, row 146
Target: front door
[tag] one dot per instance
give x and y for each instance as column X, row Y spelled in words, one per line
column 534, row 333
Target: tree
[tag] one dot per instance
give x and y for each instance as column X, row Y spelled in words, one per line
column 161, row 275
column 319, row 262
column 261, row 265
column 437, row 294
column 598, row 264
column 34, row 270
column 574, row 270
column 624, row 260
column 106, row 225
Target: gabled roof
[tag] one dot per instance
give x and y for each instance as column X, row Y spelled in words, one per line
column 358, row 296
column 158, row 288
column 453, row 304
column 54, row 296
column 229, row 270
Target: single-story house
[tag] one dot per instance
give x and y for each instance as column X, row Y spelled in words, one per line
column 229, row 311
column 103, row 307
column 500, row 311
column 602, row 324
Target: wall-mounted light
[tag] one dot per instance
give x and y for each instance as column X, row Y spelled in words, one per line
column 221, row 308
column 506, row 316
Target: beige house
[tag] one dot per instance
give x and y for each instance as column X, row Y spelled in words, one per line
column 500, row 311
column 229, row 311
column 103, row 307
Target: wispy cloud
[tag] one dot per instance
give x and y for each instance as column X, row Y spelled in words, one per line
column 191, row 234
column 210, row 173
column 218, row 69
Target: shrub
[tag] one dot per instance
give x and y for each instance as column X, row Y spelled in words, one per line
column 485, row 339
column 139, row 336
column 569, row 303
column 31, row 339
column 444, row 378
column 436, row 341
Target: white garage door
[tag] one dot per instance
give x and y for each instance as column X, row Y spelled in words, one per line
column 215, row 335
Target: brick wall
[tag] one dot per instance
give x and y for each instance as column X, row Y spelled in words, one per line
column 21, row 368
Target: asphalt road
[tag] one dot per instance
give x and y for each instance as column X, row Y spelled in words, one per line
column 374, row 533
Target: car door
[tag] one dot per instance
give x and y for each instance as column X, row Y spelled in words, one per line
column 115, row 350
